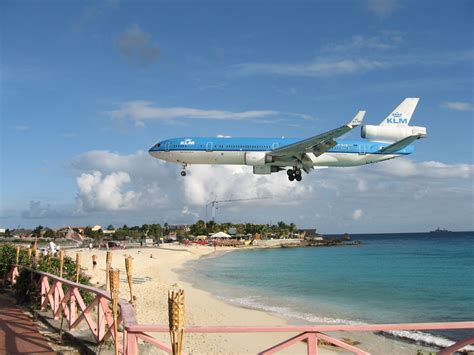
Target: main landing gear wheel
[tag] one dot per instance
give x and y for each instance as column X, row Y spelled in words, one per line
column 294, row 174
column 183, row 173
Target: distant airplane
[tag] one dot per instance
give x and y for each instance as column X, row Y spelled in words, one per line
column 392, row 138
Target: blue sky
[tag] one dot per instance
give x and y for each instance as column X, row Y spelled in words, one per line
column 79, row 80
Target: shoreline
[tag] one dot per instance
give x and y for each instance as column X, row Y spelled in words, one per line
column 157, row 270
column 398, row 346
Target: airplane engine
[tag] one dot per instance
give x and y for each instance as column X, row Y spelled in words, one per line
column 257, row 158
column 266, row 169
column 389, row 134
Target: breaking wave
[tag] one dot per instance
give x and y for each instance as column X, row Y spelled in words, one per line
column 417, row 337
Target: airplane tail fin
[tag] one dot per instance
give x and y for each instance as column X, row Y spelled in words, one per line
column 402, row 114
column 358, row 118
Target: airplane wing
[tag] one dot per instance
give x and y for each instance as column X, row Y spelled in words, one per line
column 317, row 145
column 400, row 144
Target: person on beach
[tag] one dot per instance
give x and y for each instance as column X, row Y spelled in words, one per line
column 94, row 261
column 52, row 247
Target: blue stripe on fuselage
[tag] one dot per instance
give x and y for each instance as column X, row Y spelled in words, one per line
column 266, row 144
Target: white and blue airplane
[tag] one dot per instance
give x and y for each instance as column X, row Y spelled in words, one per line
column 392, row 138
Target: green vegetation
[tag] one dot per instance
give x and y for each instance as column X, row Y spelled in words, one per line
column 156, row 231
column 26, row 288
column 281, row 228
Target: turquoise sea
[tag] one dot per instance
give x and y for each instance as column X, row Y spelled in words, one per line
column 390, row 278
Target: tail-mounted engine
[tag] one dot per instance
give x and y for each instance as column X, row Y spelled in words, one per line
column 390, row 134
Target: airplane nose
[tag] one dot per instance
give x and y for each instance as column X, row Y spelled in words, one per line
column 154, row 151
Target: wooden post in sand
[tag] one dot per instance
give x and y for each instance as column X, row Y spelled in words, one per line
column 129, row 268
column 61, row 263
column 108, row 262
column 114, row 294
column 78, row 266
column 176, row 319
column 17, row 259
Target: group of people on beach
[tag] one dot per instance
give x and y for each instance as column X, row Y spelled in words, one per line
column 52, row 248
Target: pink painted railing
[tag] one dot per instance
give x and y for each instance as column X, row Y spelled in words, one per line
column 65, row 300
column 310, row 334
column 70, row 304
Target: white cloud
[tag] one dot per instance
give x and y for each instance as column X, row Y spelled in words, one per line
column 136, row 45
column 403, row 167
column 357, row 214
column 104, row 193
column 37, row 210
column 386, row 40
column 136, row 189
column 206, row 183
column 316, row 68
column 155, row 183
column 382, row 8
column 140, row 111
column 187, row 212
column 457, row 105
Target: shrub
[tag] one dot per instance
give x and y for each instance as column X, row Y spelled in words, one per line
column 27, row 288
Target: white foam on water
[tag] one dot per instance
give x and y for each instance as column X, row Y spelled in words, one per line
column 286, row 312
column 426, row 338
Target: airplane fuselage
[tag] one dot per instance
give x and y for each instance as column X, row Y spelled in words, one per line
column 234, row 151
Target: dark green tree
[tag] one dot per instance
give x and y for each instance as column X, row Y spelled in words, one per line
column 49, row 233
column 37, row 231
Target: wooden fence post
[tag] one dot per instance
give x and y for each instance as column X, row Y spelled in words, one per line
column 108, row 262
column 61, row 263
column 17, row 259
column 78, row 266
column 129, row 268
column 176, row 319
column 114, row 294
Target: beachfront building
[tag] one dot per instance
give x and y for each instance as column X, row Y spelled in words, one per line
column 21, row 233
column 220, row 235
column 96, row 228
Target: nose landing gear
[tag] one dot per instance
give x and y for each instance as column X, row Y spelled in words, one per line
column 294, row 174
column 183, row 172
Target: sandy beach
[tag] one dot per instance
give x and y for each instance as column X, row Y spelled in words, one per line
column 156, row 270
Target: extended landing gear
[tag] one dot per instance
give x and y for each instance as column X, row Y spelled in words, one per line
column 294, row 174
column 183, row 173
